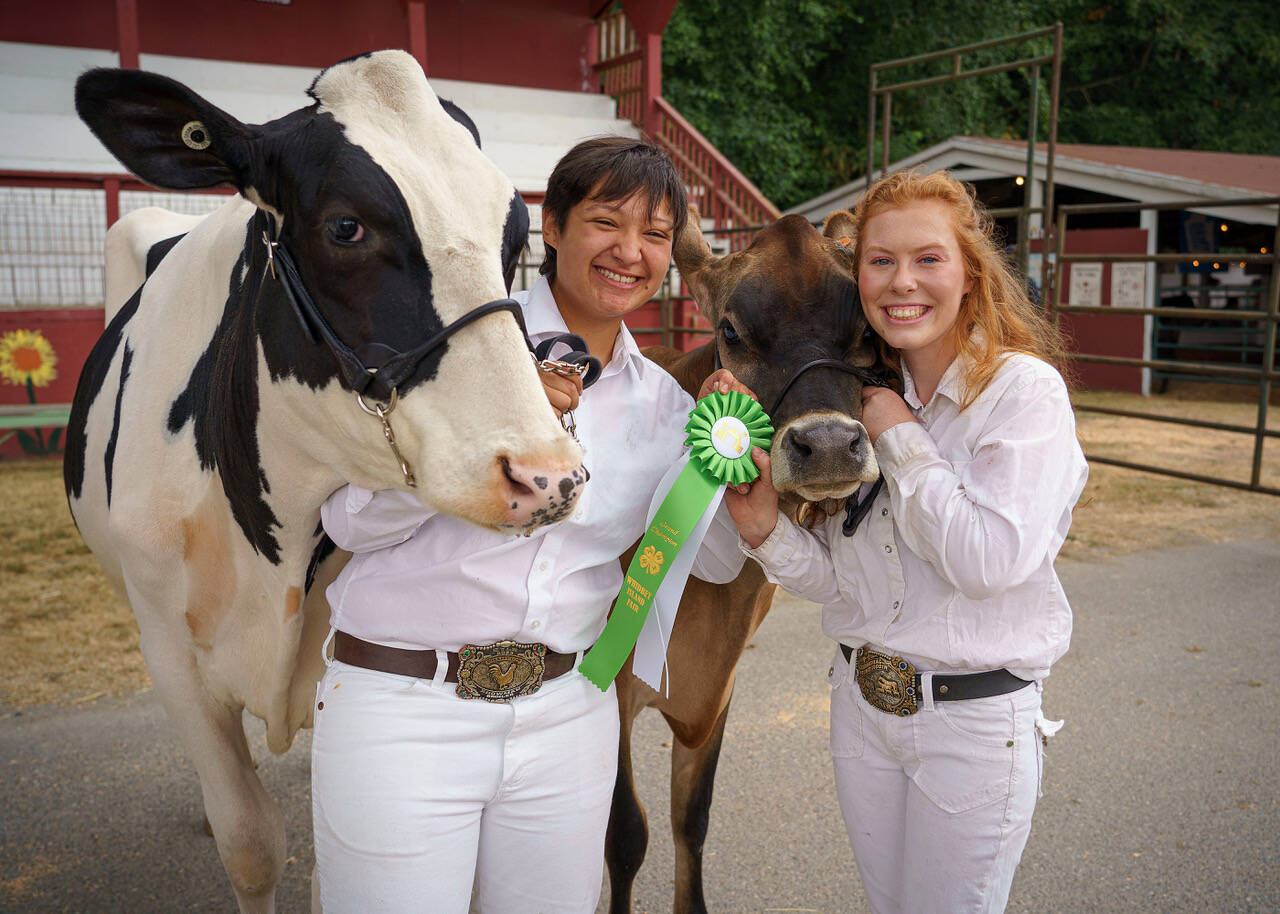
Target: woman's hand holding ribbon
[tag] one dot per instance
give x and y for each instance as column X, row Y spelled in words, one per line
column 754, row 506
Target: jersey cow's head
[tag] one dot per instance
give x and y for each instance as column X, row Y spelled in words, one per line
column 398, row 226
column 776, row 307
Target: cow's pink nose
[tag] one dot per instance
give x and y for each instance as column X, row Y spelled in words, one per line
column 537, row 496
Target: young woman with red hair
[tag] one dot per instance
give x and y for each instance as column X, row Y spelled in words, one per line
column 944, row 602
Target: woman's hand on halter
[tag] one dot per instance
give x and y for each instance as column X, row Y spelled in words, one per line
column 562, row 392
column 882, row 409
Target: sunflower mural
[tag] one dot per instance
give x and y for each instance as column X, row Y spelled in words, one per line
column 27, row 360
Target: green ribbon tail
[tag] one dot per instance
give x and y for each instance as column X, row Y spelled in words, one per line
column 679, row 513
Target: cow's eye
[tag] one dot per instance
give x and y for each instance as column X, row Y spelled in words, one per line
column 346, row 230
column 730, row 334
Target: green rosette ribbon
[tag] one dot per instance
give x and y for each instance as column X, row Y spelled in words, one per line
column 722, row 429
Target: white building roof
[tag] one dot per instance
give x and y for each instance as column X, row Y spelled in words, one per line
column 1131, row 173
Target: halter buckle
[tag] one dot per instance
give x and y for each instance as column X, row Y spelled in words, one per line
column 271, row 253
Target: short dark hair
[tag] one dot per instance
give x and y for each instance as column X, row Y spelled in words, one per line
column 611, row 169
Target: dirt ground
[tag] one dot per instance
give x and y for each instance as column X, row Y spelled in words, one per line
column 70, row 638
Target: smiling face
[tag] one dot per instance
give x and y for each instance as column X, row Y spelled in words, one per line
column 912, row 277
column 611, row 256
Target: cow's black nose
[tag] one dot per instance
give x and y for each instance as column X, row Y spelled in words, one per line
column 822, row 441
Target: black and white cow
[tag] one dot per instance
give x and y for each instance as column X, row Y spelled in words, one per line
column 212, row 419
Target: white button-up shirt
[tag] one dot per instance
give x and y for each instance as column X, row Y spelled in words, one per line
column 419, row 579
column 952, row 568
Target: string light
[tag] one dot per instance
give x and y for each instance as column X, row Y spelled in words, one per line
column 1019, row 180
column 1215, row 266
column 1195, row 263
column 1224, row 226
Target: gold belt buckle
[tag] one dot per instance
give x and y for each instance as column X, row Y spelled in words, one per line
column 888, row 683
column 500, row 671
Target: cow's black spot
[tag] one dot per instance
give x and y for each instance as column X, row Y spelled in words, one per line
column 109, row 457
column 378, row 292
column 156, row 252
column 461, row 117
column 566, row 487
column 92, row 377
column 221, row 401
column 540, row 482
column 324, row 548
column 515, row 236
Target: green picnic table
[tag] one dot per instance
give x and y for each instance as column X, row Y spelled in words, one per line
column 39, row 415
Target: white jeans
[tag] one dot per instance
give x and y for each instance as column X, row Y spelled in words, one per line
column 938, row 805
column 419, row 797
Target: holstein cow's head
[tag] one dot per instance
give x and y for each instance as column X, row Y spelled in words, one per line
column 398, row 225
column 786, row 301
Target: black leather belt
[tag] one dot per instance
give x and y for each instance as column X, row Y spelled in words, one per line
column 495, row 672
column 892, row 685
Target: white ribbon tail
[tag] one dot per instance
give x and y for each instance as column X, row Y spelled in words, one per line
column 650, row 658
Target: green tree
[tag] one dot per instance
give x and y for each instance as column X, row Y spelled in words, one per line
column 780, row 86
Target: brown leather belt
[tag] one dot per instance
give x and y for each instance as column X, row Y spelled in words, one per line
column 892, row 685
column 494, row 672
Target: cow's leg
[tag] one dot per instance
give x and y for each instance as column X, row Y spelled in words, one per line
column 628, row 834
column 247, row 824
column 693, row 776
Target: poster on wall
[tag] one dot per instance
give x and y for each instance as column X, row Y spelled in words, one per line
column 1086, row 284
column 1128, row 285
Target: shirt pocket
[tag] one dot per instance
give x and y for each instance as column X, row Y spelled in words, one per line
column 966, row 752
column 846, row 715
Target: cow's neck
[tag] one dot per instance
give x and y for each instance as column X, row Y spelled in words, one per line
column 237, row 400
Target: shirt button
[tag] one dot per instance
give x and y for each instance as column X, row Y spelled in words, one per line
column 535, row 624
column 884, row 512
column 888, row 549
column 897, row 603
column 543, row 566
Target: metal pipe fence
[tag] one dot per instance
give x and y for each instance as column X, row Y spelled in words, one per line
column 1243, row 323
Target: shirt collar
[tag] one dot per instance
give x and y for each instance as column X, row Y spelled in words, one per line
column 543, row 319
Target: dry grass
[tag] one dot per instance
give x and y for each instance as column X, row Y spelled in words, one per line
column 67, row 634
column 69, row 637
column 1124, row 510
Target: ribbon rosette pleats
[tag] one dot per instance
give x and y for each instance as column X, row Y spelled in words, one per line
column 722, row 429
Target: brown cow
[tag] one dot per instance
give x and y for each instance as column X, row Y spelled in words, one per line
column 778, row 306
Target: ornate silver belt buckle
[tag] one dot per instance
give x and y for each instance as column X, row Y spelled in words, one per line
column 500, row 671
column 887, row 683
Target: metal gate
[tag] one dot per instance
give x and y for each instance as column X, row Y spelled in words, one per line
column 1255, row 321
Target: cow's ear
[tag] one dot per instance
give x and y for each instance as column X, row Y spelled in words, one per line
column 693, row 255
column 690, row 250
column 839, row 227
column 163, row 132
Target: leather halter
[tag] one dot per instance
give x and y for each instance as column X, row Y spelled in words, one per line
column 854, row 511
column 375, row 368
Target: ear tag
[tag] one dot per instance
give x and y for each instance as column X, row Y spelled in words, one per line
column 195, row 136
column 845, row 242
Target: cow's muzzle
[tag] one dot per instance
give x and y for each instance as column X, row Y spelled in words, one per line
column 823, row 455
